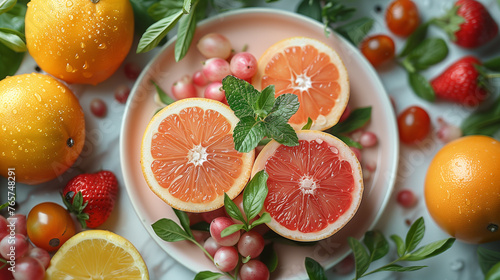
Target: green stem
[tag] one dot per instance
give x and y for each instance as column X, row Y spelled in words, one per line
column 408, row 66
column 382, row 267
column 492, row 75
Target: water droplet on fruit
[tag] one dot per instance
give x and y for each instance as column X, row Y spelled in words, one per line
column 82, row 45
column 321, row 120
column 14, row 111
column 87, row 74
column 4, row 128
column 38, row 97
column 71, row 17
column 69, row 68
column 102, row 46
column 69, row 4
column 85, row 65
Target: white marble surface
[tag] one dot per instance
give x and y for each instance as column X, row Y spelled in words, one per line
column 102, row 152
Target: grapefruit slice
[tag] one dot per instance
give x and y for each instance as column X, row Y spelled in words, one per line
column 315, row 188
column 314, row 72
column 188, row 157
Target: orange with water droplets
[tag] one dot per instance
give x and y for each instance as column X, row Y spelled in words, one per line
column 462, row 189
column 314, row 72
column 188, row 157
column 79, row 41
column 43, row 128
column 315, row 188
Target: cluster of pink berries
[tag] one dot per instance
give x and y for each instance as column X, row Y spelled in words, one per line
column 19, row 259
column 220, row 62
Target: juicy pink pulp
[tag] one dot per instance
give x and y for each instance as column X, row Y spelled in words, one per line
column 310, row 186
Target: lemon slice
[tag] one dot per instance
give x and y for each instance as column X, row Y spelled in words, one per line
column 97, row 254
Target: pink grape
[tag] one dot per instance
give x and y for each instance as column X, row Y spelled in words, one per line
column 251, row 244
column 28, row 268
column 345, row 266
column 211, row 246
column 98, row 107
column 41, row 255
column 184, row 88
column 406, row 198
column 13, row 246
column 216, row 69
column 19, row 221
column 214, row 91
column 226, row 258
column 214, row 45
column 217, row 226
column 200, row 235
column 254, row 270
column 121, row 93
column 243, row 65
column 132, row 71
column 368, row 139
column 199, row 78
column 4, row 230
column 211, row 215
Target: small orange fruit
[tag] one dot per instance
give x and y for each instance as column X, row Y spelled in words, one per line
column 462, row 189
column 43, row 128
column 315, row 188
column 82, row 41
column 314, row 72
column 188, row 157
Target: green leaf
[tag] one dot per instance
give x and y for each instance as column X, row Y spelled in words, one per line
column 164, row 98
column 308, row 125
column 207, row 275
column 255, row 194
column 415, row 235
column 142, row 20
column 263, row 219
column 265, row 101
column 493, row 64
column 487, row 258
column 285, row 106
column 14, row 18
column 184, row 220
column 357, row 119
column 233, row 210
column 361, row 257
column 6, row 5
column 377, row 245
column 231, row 229
column 165, row 8
column 333, row 11
column 281, row 131
column 415, row 39
column 484, row 121
column 153, row 35
column 431, row 250
column 493, row 273
column 247, row 134
column 269, row 257
column 314, row 270
column 398, row 268
column 169, row 231
column 355, row 31
column 201, row 226
column 241, row 96
column 187, row 27
column 431, row 51
column 449, row 22
column 187, row 6
column 400, row 244
column 421, row 86
column 310, row 8
column 349, row 142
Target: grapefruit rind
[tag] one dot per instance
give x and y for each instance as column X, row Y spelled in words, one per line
column 323, row 122
column 147, row 159
column 345, row 153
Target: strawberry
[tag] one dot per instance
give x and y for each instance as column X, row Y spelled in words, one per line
column 462, row 82
column 468, row 24
column 91, row 197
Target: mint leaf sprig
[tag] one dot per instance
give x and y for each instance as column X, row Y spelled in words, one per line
column 375, row 246
column 261, row 114
column 253, row 201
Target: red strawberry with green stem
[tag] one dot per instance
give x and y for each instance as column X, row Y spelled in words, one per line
column 91, row 197
column 465, row 82
column 468, row 24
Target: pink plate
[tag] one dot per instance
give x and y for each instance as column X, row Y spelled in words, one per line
column 258, row 29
